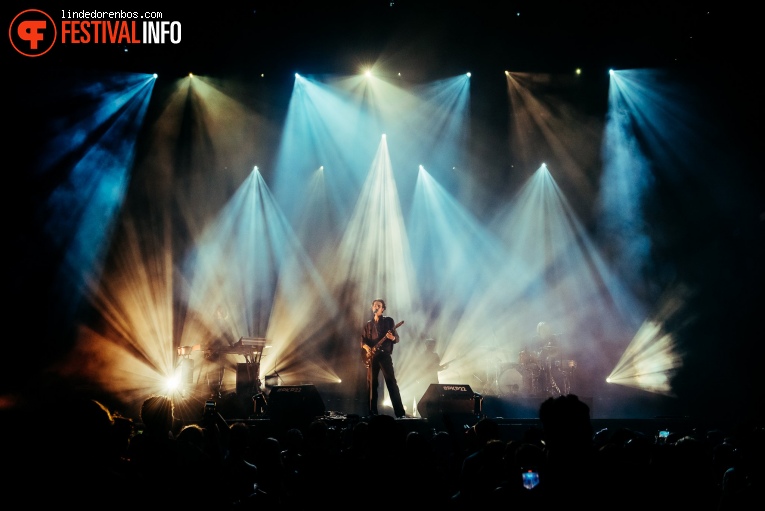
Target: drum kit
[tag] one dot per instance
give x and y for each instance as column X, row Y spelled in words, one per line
column 544, row 372
column 536, row 374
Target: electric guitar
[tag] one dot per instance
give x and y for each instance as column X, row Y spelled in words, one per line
column 370, row 355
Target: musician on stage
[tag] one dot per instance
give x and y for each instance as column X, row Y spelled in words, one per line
column 432, row 362
column 430, row 366
column 381, row 330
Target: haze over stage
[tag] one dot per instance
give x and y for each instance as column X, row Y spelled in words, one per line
column 263, row 172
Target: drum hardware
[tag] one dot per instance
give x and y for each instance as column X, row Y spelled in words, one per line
column 549, row 350
column 539, row 370
column 489, row 378
column 553, row 388
column 490, row 384
column 504, row 366
column 564, row 369
column 511, row 380
column 494, row 388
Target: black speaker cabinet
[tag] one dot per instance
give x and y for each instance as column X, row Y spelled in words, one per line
column 294, row 405
column 452, row 399
column 247, row 379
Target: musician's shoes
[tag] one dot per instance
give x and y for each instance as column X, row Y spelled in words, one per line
column 404, row 416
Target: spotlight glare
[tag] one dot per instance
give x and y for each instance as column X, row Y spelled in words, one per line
column 468, row 74
column 173, row 383
column 155, row 76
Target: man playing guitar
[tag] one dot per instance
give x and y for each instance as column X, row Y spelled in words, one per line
column 377, row 340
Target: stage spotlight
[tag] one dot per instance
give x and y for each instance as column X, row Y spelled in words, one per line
column 468, row 74
column 173, row 383
column 155, row 76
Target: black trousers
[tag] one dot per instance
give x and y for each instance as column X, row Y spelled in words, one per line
column 383, row 362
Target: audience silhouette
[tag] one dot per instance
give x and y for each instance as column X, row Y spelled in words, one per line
column 101, row 458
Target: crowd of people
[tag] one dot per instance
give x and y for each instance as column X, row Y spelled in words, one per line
column 85, row 455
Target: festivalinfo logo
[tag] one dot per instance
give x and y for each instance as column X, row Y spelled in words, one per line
column 34, row 32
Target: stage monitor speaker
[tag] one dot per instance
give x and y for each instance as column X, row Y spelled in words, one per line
column 294, row 405
column 453, row 399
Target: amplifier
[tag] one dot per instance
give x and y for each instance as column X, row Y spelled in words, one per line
column 452, row 398
column 295, row 404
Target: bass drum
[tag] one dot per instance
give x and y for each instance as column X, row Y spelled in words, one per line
column 510, row 382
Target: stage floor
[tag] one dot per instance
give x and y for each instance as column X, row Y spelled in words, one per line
column 298, row 405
